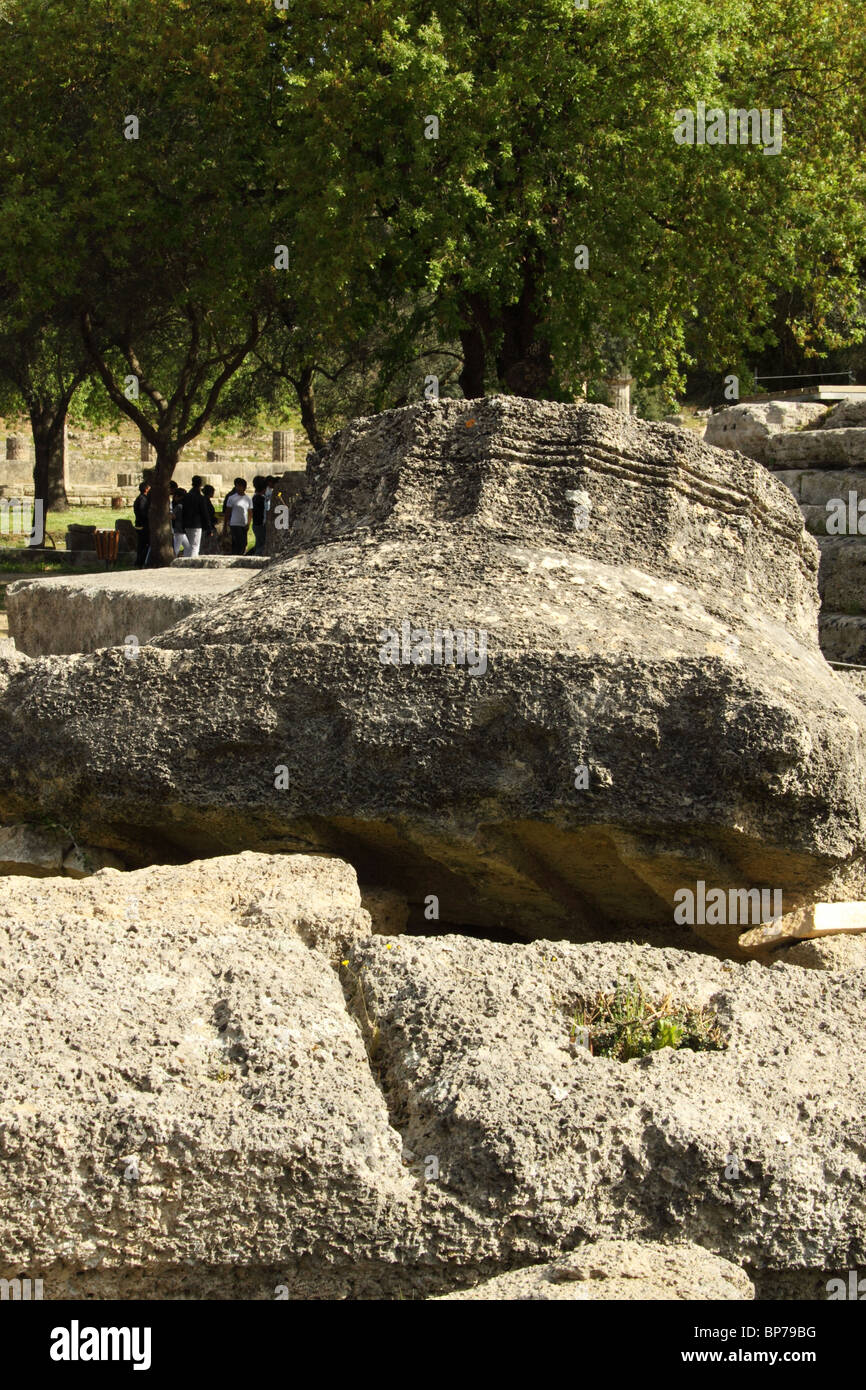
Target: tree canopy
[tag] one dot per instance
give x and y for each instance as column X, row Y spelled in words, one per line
column 215, row 199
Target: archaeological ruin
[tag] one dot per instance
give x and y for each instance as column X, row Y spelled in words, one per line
column 374, row 981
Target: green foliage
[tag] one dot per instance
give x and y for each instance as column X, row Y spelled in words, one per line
column 628, row 1024
column 556, row 129
column 410, row 256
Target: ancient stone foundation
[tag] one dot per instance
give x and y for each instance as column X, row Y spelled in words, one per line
column 607, row 686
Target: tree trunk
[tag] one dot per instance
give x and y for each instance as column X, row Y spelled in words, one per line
column 524, row 363
column 48, row 421
column 472, row 375
column 307, row 401
column 159, row 515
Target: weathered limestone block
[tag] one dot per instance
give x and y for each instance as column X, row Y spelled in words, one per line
column 749, row 428
column 761, row 1146
column 221, row 562
column 621, row 1271
column 845, row 415
column 185, row 1100
column 838, row 448
column 820, row 485
column 641, row 704
column 842, row 575
column 82, row 613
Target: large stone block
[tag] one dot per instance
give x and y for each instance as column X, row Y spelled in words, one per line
column 837, row 448
column 215, row 1083
column 82, row 613
column 749, row 428
column 818, row 486
column 842, row 576
column 759, row 1146
column 185, row 1102
column 648, row 706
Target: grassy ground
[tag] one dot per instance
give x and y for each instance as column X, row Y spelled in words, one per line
column 56, row 524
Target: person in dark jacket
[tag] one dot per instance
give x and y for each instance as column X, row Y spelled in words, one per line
column 141, row 513
column 181, row 544
column 260, row 506
column 211, row 540
column 195, row 516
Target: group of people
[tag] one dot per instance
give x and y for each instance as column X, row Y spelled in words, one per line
column 194, row 520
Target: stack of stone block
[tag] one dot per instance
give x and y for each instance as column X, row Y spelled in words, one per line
column 820, row 454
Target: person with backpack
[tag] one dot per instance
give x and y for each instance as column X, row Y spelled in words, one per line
column 195, row 516
column 238, row 507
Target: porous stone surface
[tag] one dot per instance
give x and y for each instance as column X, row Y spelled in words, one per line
column 200, row 1096
column 838, row 448
column 220, row 562
column 389, row 911
column 845, row 415
column 649, row 606
column 749, row 428
column 620, row 1271
column 845, row 952
column 183, row 1094
column 755, row 1152
column 82, row 613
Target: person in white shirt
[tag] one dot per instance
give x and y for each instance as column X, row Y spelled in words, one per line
column 239, row 506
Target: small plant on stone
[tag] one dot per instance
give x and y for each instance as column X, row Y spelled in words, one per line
column 628, row 1023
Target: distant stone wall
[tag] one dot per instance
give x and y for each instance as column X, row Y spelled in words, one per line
column 96, row 459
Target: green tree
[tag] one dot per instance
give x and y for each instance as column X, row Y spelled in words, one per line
column 137, row 169
column 45, row 366
column 556, row 131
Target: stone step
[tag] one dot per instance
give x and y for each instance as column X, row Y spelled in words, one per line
column 839, row 449
column 842, row 575
column 843, row 637
column 816, row 486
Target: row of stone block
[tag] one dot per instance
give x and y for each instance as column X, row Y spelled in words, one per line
column 816, row 449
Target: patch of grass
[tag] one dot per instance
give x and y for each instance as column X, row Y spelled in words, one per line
column 56, row 523
column 628, row 1023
